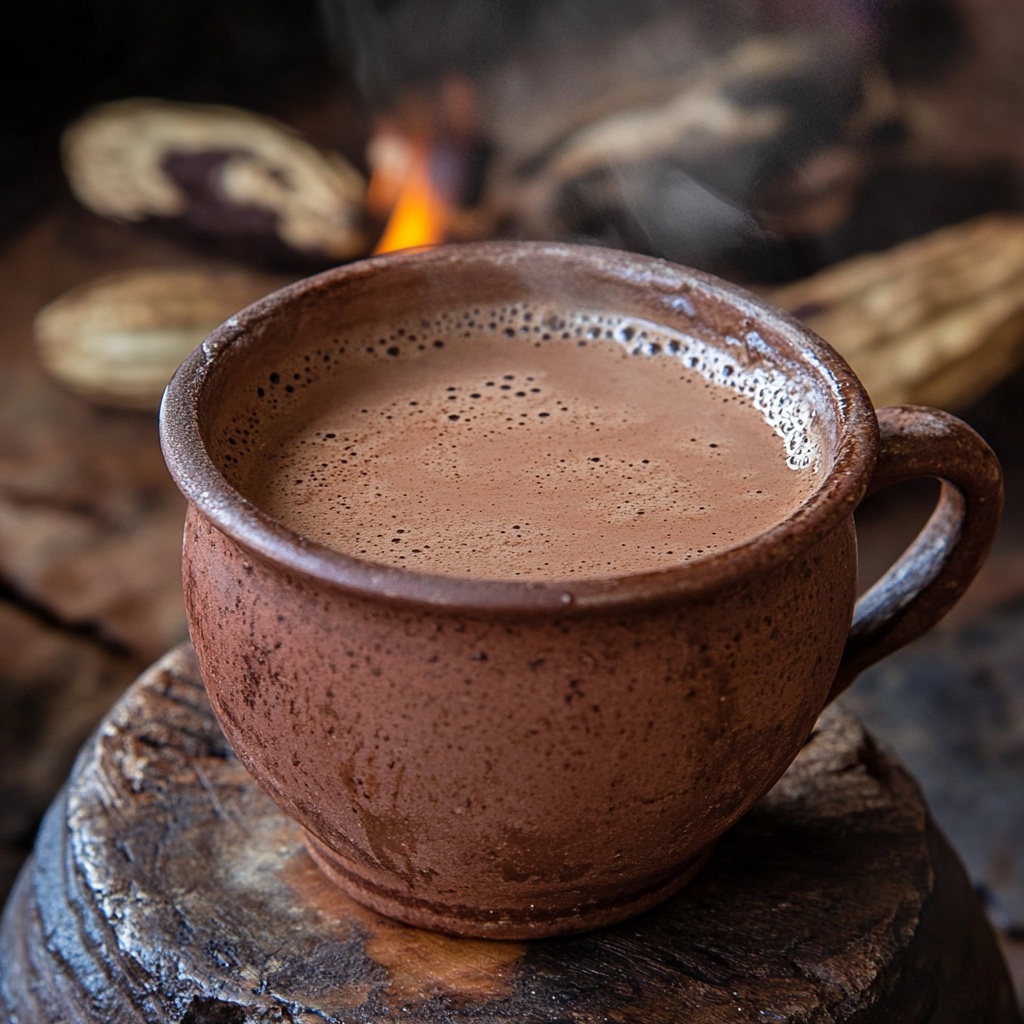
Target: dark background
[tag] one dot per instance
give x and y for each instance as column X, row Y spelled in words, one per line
column 326, row 64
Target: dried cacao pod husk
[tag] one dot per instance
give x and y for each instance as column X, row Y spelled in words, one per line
column 228, row 174
column 934, row 321
column 117, row 340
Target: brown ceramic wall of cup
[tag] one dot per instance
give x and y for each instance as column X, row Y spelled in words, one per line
column 515, row 759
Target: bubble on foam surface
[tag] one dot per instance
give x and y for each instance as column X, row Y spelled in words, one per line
column 326, row 499
column 785, row 405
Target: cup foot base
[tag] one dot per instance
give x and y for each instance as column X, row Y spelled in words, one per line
column 472, row 922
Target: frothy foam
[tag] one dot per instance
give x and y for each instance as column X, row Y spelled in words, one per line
column 522, row 443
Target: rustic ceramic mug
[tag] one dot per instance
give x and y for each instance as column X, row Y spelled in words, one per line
column 418, row 726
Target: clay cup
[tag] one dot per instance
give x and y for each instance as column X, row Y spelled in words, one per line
column 524, row 759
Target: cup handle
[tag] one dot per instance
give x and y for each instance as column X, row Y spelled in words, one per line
column 933, row 573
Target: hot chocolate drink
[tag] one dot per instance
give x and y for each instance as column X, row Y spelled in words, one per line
column 521, row 444
column 515, row 756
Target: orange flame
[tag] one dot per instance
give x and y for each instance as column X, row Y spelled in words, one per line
column 420, row 215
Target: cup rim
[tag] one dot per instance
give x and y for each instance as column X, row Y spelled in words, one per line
column 215, row 498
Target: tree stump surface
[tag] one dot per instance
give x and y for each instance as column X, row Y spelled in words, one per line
column 166, row 887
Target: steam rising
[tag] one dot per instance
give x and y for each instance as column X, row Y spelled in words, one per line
column 653, row 126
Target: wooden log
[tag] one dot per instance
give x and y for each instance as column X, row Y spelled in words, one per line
column 166, row 887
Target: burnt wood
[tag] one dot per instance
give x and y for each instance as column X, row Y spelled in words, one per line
column 166, row 887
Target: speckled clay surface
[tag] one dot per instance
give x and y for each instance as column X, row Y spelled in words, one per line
column 510, row 759
column 577, row 759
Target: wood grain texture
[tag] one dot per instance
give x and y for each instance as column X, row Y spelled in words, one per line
column 166, row 887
